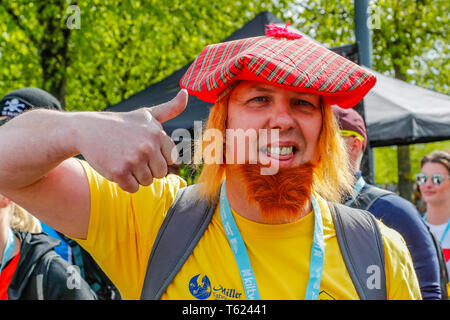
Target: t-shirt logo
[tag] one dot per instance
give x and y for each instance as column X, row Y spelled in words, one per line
column 200, row 290
column 446, row 254
column 323, row 295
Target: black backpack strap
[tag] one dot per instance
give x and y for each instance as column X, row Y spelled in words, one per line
column 185, row 223
column 368, row 196
column 361, row 245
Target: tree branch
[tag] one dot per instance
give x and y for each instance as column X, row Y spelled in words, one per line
column 19, row 23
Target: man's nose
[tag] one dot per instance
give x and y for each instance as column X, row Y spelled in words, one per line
column 282, row 117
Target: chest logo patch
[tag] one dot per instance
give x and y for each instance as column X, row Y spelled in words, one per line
column 200, row 289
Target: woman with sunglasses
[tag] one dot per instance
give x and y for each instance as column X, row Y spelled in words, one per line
column 434, row 184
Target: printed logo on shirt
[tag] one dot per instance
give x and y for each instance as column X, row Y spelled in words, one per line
column 323, row 295
column 201, row 288
column 446, row 254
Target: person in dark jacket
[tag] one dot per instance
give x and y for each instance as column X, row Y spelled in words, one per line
column 30, row 268
column 394, row 211
column 13, row 104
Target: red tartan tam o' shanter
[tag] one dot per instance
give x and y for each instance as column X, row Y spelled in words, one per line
column 280, row 58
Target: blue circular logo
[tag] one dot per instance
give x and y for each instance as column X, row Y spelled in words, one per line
column 200, row 290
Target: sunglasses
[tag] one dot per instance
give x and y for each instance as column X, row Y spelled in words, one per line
column 436, row 179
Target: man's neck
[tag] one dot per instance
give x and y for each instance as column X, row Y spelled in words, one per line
column 237, row 197
column 438, row 213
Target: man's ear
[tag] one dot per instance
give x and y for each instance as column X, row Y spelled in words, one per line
column 357, row 145
column 4, row 201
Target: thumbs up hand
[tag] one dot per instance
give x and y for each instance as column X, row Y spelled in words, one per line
column 130, row 148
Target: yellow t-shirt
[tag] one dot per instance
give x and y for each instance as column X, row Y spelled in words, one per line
column 123, row 227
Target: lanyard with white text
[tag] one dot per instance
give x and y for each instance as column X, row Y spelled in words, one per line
column 424, row 217
column 243, row 261
column 9, row 248
column 357, row 188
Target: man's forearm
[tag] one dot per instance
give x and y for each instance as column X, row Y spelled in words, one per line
column 34, row 143
column 129, row 148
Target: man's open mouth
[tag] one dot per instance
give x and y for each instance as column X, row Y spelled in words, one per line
column 281, row 152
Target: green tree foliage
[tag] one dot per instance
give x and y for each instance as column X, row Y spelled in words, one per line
column 121, row 47
column 30, row 54
column 409, row 37
column 190, row 173
column 386, row 160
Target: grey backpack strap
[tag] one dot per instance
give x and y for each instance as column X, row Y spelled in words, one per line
column 185, row 223
column 361, row 245
column 368, row 196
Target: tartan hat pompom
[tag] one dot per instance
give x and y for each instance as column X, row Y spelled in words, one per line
column 280, row 58
column 275, row 31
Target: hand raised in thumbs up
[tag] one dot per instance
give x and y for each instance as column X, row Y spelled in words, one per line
column 130, row 148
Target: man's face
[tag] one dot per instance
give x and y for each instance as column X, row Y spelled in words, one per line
column 297, row 117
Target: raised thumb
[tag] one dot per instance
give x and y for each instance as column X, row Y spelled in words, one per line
column 166, row 111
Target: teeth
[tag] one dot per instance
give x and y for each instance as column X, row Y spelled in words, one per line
column 281, row 151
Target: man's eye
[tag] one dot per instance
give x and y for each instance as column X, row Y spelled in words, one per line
column 303, row 103
column 259, row 99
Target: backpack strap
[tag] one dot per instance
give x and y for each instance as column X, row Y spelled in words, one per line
column 361, row 245
column 185, row 223
column 357, row 233
column 368, row 195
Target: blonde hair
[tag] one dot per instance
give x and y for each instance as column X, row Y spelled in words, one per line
column 22, row 220
column 212, row 174
column 332, row 178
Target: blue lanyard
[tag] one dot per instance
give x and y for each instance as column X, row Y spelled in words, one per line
column 240, row 252
column 424, row 218
column 9, row 248
column 357, row 188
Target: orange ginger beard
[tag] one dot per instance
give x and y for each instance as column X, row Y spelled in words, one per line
column 282, row 197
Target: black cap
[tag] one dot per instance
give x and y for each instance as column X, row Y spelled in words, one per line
column 15, row 102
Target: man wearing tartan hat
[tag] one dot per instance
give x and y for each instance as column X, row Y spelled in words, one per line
column 271, row 235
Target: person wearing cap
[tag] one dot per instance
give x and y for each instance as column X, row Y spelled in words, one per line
column 395, row 211
column 279, row 86
column 13, row 104
column 20, row 100
column 25, row 99
column 30, row 268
